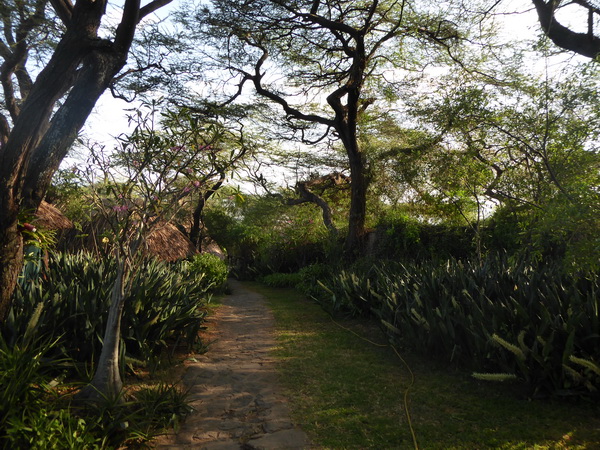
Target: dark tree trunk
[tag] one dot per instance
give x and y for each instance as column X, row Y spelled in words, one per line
column 354, row 244
column 197, row 225
column 11, row 260
column 81, row 67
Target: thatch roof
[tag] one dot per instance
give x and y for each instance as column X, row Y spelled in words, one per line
column 169, row 244
column 165, row 242
column 50, row 218
column 210, row 246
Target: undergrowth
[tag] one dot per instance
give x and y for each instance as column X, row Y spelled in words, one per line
column 348, row 393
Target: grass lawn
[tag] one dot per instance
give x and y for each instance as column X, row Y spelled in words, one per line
column 348, row 393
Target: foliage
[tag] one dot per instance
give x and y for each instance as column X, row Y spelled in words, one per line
column 135, row 418
column 59, row 429
column 280, row 280
column 348, row 393
column 165, row 305
column 477, row 315
column 211, row 268
column 52, row 422
column 533, row 147
column 398, row 235
column 262, row 235
column 50, row 323
column 25, row 372
column 71, row 196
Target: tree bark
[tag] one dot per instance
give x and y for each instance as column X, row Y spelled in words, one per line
column 107, row 382
column 11, row 261
column 82, row 67
column 354, row 243
column 586, row 44
column 195, row 231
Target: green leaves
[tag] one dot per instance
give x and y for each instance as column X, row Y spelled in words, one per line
column 533, row 322
column 165, row 305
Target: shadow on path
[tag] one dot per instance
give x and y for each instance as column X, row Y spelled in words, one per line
column 234, row 388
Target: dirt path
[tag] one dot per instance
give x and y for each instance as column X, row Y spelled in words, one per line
column 234, row 386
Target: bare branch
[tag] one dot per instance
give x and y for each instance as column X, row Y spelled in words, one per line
column 151, row 7
column 64, row 10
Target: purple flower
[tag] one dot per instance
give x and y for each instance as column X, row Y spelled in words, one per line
column 120, row 208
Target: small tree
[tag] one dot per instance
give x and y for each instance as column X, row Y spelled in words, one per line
column 136, row 190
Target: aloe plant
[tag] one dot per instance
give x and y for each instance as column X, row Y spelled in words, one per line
column 165, row 305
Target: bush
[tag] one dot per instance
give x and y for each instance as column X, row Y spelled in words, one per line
column 43, row 429
column 34, row 414
column 498, row 317
column 280, row 280
column 310, row 278
column 213, row 270
column 24, row 376
column 71, row 300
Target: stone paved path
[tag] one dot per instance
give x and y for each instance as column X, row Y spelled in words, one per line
column 234, row 387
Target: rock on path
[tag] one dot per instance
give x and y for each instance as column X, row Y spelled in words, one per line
column 234, row 388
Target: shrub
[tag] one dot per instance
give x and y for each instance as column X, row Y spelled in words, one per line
column 498, row 317
column 24, row 375
column 43, row 429
column 212, row 268
column 311, row 278
column 71, row 300
column 280, row 280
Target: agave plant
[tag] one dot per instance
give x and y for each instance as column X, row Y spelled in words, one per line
column 530, row 321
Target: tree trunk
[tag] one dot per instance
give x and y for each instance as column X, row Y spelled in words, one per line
column 195, row 231
column 107, row 382
column 354, row 243
column 82, row 66
column 11, row 261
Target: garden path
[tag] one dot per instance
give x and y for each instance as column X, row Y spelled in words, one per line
column 234, row 386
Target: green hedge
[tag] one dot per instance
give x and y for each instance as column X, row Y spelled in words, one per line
column 212, row 268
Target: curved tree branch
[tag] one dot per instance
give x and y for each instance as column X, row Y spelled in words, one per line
column 585, row 44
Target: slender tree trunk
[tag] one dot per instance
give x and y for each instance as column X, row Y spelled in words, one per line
column 107, row 382
column 195, row 231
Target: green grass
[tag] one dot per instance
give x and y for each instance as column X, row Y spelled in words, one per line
column 348, row 393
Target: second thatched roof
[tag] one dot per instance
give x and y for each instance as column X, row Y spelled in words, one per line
column 50, row 218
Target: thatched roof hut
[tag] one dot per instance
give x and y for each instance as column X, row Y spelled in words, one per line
column 50, row 218
column 168, row 243
column 165, row 242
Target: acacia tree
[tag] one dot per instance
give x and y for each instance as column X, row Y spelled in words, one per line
column 533, row 148
column 585, row 42
column 41, row 115
column 341, row 52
